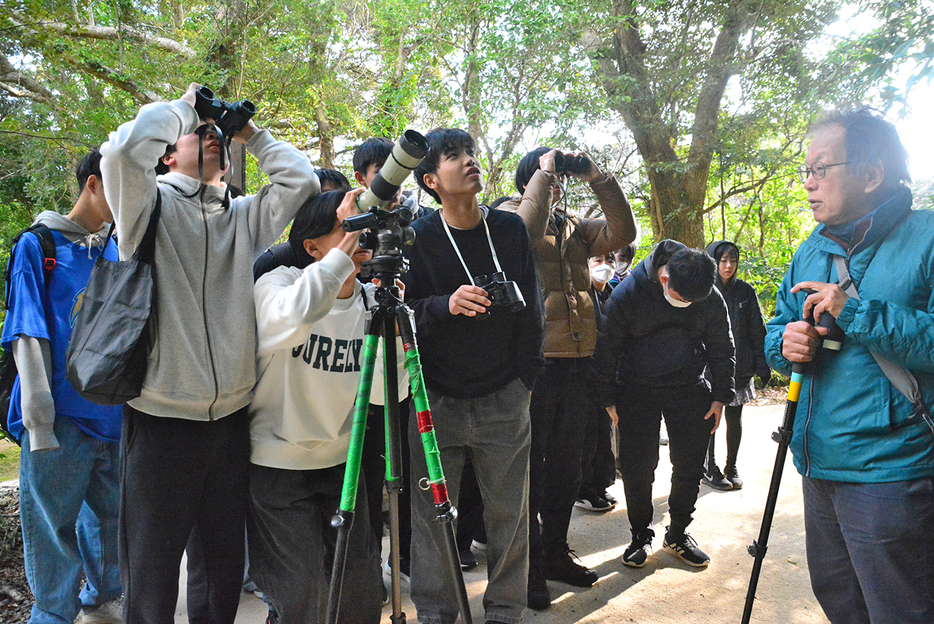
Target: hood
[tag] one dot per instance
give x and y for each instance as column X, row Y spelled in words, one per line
column 212, row 196
column 71, row 230
column 716, row 250
column 657, row 258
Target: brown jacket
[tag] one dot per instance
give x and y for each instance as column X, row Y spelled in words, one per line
column 561, row 258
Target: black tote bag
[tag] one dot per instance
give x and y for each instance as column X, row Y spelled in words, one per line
column 109, row 347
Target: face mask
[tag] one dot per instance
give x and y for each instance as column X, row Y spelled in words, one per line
column 601, row 273
column 675, row 302
column 622, row 267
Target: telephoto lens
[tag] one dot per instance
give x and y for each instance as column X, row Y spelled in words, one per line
column 406, row 155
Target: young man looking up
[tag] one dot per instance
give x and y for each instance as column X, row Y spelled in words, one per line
column 479, row 371
column 186, row 438
column 311, row 324
column 665, row 324
column 69, row 465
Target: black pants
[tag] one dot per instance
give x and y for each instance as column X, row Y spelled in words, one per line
column 733, row 415
column 598, row 465
column 373, row 466
column 182, row 479
column 559, row 415
column 640, row 410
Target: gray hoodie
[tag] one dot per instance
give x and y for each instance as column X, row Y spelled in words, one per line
column 203, row 327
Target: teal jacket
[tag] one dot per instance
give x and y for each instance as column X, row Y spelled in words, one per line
column 852, row 425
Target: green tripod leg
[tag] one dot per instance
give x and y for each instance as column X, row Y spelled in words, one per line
column 343, row 519
column 445, row 510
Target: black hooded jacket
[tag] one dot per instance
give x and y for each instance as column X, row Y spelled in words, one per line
column 646, row 341
column 745, row 320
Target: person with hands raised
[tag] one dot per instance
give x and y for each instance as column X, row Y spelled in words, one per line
column 187, row 439
column 563, row 243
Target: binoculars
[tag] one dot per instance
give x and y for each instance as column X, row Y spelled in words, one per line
column 229, row 118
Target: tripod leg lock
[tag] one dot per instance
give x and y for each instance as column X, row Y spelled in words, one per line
column 446, row 512
column 757, row 550
column 782, row 436
column 341, row 518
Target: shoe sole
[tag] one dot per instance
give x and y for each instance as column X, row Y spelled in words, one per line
column 719, row 488
column 588, row 507
column 675, row 553
column 633, row 564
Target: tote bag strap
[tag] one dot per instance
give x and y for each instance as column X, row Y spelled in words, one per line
column 147, row 248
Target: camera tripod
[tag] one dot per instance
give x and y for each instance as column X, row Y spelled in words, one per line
column 390, row 311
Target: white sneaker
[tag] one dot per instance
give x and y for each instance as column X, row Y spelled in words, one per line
column 108, row 613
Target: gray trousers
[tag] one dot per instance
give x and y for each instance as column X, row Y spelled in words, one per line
column 495, row 430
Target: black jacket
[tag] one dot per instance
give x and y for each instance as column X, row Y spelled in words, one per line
column 648, row 342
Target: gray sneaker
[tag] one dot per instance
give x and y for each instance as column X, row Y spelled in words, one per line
column 108, row 613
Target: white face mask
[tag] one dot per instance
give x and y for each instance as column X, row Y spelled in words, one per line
column 601, row 273
column 675, row 302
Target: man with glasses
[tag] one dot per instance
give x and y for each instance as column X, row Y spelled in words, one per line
column 863, row 440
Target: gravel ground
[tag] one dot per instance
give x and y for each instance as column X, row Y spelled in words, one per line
column 15, row 597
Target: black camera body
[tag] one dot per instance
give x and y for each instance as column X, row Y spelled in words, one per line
column 504, row 295
column 229, row 118
column 571, row 165
column 387, row 231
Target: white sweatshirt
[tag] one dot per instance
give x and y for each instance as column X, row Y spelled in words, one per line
column 308, row 365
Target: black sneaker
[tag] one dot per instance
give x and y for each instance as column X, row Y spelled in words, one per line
column 560, row 566
column 539, row 598
column 594, row 503
column 730, row 473
column 468, row 560
column 715, row 479
column 610, row 499
column 639, row 550
column 685, row 548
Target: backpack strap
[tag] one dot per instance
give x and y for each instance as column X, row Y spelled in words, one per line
column 46, row 243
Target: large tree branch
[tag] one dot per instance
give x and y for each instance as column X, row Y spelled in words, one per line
column 10, row 78
column 108, row 33
column 139, row 94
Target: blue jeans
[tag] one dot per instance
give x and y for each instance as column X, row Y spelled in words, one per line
column 495, row 431
column 870, row 550
column 69, row 504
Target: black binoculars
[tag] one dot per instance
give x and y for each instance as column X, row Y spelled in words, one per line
column 229, row 118
column 503, row 294
column 571, row 165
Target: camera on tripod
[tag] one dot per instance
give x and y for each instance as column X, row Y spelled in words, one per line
column 388, row 230
column 229, row 118
column 503, row 294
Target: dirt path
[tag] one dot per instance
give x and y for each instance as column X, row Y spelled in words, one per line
column 667, row 591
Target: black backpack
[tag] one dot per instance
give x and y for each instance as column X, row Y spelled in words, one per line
column 7, row 365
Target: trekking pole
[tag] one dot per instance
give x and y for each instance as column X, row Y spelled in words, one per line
column 783, row 437
column 832, row 342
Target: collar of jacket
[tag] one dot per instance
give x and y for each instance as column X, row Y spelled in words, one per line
column 886, row 216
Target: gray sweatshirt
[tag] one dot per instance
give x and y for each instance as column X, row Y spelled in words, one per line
column 203, row 327
column 33, row 355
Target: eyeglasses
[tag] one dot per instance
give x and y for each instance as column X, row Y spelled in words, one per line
column 819, row 170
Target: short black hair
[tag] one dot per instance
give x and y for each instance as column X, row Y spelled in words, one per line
column 316, row 218
column 334, row 178
column 373, row 151
column 498, row 201
column 870, row 140
column 161, row 167
column 442, row 141
column 89, row 166
column 528, row 166
column 691, row 273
